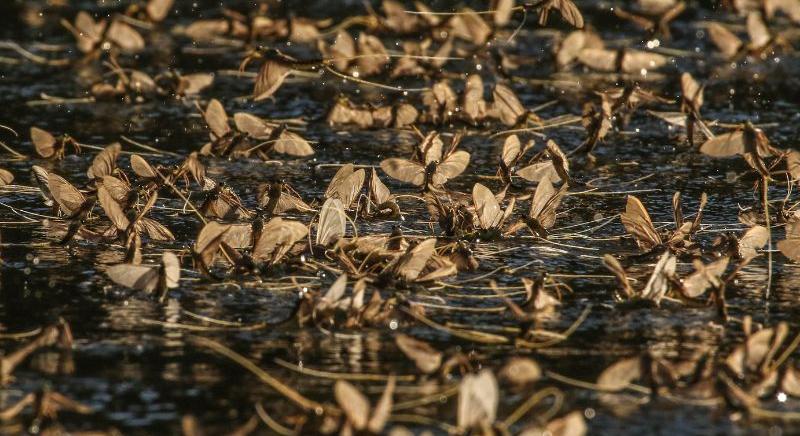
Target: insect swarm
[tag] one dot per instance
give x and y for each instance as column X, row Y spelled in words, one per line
column 402, row 217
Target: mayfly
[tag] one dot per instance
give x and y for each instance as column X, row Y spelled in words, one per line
column 657, row 285
column 542, row 215
column 52, row 147
column 434, row 170
column 749, row 141
column 149, row 278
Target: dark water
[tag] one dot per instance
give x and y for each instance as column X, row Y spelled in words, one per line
column 143, row 378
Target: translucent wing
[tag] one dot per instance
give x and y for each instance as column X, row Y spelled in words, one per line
column 728, row 43
column 112, row 209
column 478, row 397
column 251, row 125
column 637, row 223
column 341, row 174
column 157, row 10
column 704, row 277
column 372, row 55
column 452, row 166
column 6, row 177
column 634, row 61
column 354, row 404
column 44, row 142
column 599, row 59
column 67, row 196
column 659, row 282
column 545, row 203
column 216, row 118
column 105, row 161
column 570, row 13
column 270, row 77
column 790, row 247
column 692, row 91
column 539, row 171
column 292, row 144
column 332, row 222
column 404, row 170
column 142, row 168
column 380, row 193
column 125, row 36
column 490, row 215
column 155, row 230
column 413, row 262
column 757, row 30
column 507, row 105
column 753, row 240
column 278, row 237
column 725, row 145
column 172, row 269
column 139, row 277
column 511, row 150
column 40, row 176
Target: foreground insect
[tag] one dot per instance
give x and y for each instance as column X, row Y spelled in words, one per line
column 51, row 147
column 542, row 215
column 748, row 141
column 490, row 217
column 252, row 135
column 657, row 285
column 149, row 278
column 435, row 167
column 638, row 224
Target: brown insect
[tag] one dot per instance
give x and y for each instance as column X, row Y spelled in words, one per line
column 542, row 215
column 332, row 222
column 366, row 56
column 133, row 222
column 105, row 162
column 749, row 141
column 655, row 19
column 657, row 285
column 252, row 135
column 380, row 201
column 276, row 238
column 149, row 278
column 490, row 216
column 6, row 178
column 638, row 224
column 346, row 185
column 434, row 170
column 275, row 67
column 569, row 12
column 207, row 245
column 72, row 203
column 153, row 10
column 90, row 34
column 425, row 357
column 52, row 147
column 689, row 117
column 278, row 197
column 622, row 60
column 762, row 41
column 344, row 112
column 508, row 109
column 418, row 259
column 705, row 276
column 359, row 414
column 222, row 202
